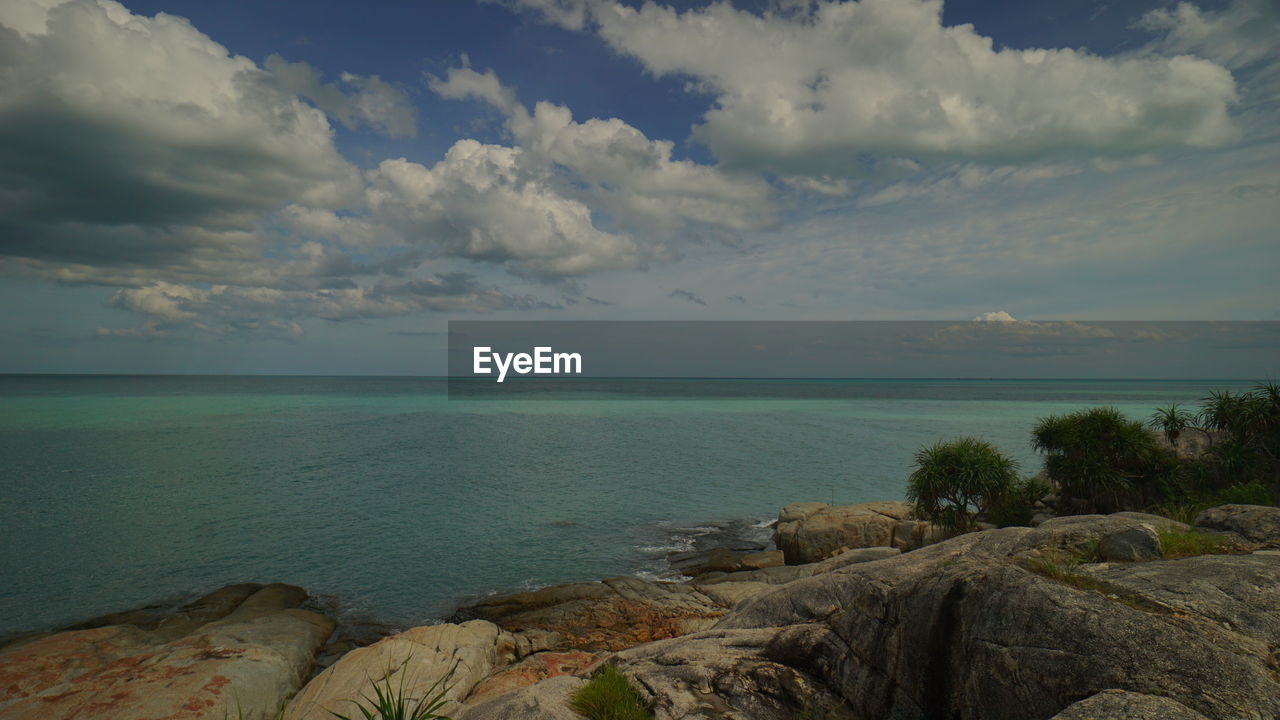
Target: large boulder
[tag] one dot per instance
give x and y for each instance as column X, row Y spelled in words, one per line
column 456, row 656
column 809, row 532
column 1259, row 524
column 737, row 674
column 241, row 651
column 973, row 628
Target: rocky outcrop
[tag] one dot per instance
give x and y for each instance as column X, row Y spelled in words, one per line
column 1121, row 705
column 462, row 655
column 533, row 669
column 242, row 650
column 970, row 628
column 547, row 700
column 809, row 532
column 608, row 615
column 723, row 560
column 1258, row 524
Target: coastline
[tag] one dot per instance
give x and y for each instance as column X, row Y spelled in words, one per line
column 733, row 617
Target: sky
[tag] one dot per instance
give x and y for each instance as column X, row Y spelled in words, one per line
column 320, row 187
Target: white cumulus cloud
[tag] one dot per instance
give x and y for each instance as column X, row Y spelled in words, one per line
column 808, row 90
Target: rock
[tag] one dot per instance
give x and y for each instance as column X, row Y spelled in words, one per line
column 788, row 573
column 1039, row 518
column 608, row 615
column 729, row 675
column 808, row 532
column 242, row 650
column 535, row 668
column 731, row 594
column 693, row 564
column 1258, row 524
column 762, row 560
column 967, row 629
column 1235, row 591
column 418, row 657
column 795, row 512
column 1130, row 545
column 547, row 700
column 1073, row 534
column 1122, row 705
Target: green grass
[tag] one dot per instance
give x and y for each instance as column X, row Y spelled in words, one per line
column 389, row 701
column 1190, row 543
column 1065, row 569
column 609, row 696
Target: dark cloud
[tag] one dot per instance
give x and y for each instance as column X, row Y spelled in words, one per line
column 686, row 295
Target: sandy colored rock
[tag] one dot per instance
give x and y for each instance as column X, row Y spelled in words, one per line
column 547, row 700
column 763, row 559
column 247, row 662
column 535, row 668
column 608, row 615
column 419, row 657
column 809, row 532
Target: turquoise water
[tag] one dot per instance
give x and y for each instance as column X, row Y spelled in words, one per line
column 382, row 492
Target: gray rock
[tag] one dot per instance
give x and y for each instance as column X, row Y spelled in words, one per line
column 966, row 629
column 1122, row 705
column 1074, row 533
column 745, row 674
column 1130, row 545
column 790, row 573
column 1258, row 524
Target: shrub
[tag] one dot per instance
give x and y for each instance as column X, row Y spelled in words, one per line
column 956, row 482
column 1015, row 507
column 1102, row 458
column 1171, row 421
column 1251, row 493
column 609, row 696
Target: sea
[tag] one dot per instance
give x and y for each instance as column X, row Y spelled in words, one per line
column 389, row 500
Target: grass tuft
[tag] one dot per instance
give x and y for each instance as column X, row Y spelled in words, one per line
column 609, row 696
column 389, row 701
column 1190, row 543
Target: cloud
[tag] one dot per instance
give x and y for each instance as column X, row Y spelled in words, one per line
column 132, row 142
column 1241, row 34
column 887, row 78
column 137, row 152
column 997, row 316
column 616, row 167
column 368, row 102
column 483, row 202
column 688, row 296
column 223, row 309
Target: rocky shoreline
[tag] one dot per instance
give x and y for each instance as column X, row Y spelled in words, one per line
column 860, row 612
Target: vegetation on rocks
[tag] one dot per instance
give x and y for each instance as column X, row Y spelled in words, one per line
column 956, row 482
column 390, row 701
column 1191, row 543
column 609, row 695
column 1101, row 460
